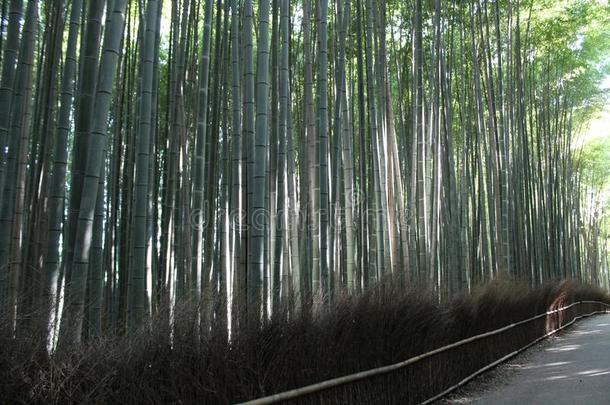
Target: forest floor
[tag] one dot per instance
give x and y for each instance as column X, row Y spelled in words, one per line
column 571, row 368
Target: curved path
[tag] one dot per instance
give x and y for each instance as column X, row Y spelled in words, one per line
column 573, row 368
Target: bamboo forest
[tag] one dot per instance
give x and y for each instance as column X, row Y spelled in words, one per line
column 231, row 189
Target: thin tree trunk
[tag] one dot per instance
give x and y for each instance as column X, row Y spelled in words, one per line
column 72, row 324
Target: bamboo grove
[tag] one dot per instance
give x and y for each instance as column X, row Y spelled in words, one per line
column 266, row 158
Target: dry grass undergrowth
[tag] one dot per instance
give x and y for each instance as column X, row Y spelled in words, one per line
column 386, row 325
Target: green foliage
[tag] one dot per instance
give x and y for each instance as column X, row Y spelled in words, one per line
column 595, row 162
column 570, row 43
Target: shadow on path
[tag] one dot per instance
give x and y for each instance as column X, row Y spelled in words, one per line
column 570, row 369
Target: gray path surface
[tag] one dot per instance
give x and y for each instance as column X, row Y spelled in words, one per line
column 571, row 369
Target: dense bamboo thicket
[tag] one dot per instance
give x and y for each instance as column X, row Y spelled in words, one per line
column 262, row 159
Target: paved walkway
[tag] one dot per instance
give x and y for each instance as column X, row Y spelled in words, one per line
column 572, row 369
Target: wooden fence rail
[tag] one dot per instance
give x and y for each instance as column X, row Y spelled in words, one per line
column 430, row 370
